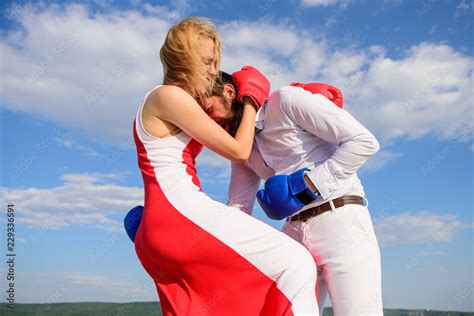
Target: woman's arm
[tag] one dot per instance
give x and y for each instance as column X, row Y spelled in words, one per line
column 176, row 106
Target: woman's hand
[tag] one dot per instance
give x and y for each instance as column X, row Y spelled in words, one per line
column 250, row 102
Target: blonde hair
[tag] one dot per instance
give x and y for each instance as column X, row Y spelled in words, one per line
column 181, row 59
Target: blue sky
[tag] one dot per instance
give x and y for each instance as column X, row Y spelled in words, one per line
column 74, row 73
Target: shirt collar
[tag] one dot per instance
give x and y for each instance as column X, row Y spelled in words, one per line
column 259, row 118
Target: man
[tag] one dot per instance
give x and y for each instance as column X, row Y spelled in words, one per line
column 305, row 135
column 308, row 149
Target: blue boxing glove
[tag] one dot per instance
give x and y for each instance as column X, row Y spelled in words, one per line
column 285, row 195
column 132, row 221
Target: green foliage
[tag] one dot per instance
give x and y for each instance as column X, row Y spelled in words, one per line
column 153, row 309
column 84, row 309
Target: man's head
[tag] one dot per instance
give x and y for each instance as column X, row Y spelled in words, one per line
column 222, row 106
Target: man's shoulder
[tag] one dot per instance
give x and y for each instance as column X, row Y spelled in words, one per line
column 282, row 91
column 279, row 96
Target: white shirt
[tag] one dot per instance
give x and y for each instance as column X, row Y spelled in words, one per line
column 297, row 129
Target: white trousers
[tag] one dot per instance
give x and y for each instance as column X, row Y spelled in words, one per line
column 343, row 244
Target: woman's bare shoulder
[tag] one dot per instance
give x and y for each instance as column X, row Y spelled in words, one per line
column 167, row 99
column 165, row 92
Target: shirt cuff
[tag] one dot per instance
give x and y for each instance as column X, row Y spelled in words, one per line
column 323, row 180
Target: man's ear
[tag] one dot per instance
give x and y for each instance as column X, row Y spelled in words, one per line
column 229, row 90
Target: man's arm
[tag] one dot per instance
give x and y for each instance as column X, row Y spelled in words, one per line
column 243, row 187
column 355, row 144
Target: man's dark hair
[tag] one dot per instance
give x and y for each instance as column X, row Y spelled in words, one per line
column 227, row 78
column 236, row 108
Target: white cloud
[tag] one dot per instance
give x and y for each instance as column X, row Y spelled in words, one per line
column 99, row 66
column 464, row 8
column 119, row 289
column 290, row 56
column 87, row 151
column 417, row 228
column 208, row 158
column 257, row 34
column 72, row 286
column 316, row 3
column 392, row 3
column 20, row 239
column 344, row 64
column 428, row 91
column 212, row 168
column 69, row 143
column 83, row 199
column 64, row 141
column 379, row 160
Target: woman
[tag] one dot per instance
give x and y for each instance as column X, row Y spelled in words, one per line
column 205, row 257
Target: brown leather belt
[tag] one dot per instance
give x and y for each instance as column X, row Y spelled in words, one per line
column 317, row 210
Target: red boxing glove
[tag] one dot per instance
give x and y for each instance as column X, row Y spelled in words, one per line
column 251, row 83
column 330, row 92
